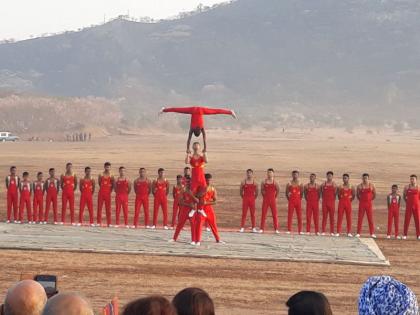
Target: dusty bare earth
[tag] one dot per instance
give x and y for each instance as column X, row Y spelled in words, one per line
column 238, row 287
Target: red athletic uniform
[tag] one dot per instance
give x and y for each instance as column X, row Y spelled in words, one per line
column 345, row 198
column 67, row 196
column 25, row 200
column 176, row 193
column 328, row 206
column 211, row 215
column 294, row 204
column 104, row 197
column 248, row 202
column 86, row 199
column 197, row 173
column 197, row 113
column 38, row 201
column 365, row 206
column 160, row 200
column 269, row 201
column 52, row 186
column 142, row 190
column 393, row 213
column 12, row 184
column 183, row 216
column 412, row 209
column 121, row 199
column 312, row 208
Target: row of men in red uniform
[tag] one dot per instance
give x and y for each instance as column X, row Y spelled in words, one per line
column 329, row 192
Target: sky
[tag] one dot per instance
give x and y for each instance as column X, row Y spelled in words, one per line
column 21, row 19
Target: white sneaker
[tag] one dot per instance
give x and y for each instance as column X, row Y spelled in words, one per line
column 287, row 232
column 197, row 244
column 323, row 234
column 301, row 233
column 332, row 234
column 171, row 240
column 350, row 235
column 373, row 236
column 318, row 234
column 147, row 226
column 7, row 221
column 337, row 235
column 220, row 242
column 277, row 232
column 398, row 237
column 55, row 223
column 15, row 221
column 308, row 233
column 404, row 237
column 133, row 226
column 208, row 229
column 166, row 227
column 79, row 224
column 73, row 224
column 357, row 235
column 261, row 231
column 92, row 225
column 241, row 230
column 418, row 238
column 201, row 211
column 191, row 213
column 254, row 230
column 61, row 223
column 388, row 237
column 116, row 226
column 45, row 222
column 153, row 227
column 193, row 243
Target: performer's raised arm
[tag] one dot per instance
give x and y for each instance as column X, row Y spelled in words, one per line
column 179, row 110
column 217, row 111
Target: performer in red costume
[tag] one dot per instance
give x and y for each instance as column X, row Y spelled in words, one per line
column 25, row 189
column 106, row 183
column 187, row 173
column 38, row 187
column 294, row 194
column 197, row 162
column 87, row 189
column 270, row 191
column 411, row 197
column 346, row 194
column 366, row 193
column 68, row 186
column 12, row 186
column 394, row 202
column 52, row 187
column 312, row 192
column 197, row 120
column 176, row 194
column 329, row 194
column 249, row 193
column 122, row 187
column 142, row 188
column 160, row 190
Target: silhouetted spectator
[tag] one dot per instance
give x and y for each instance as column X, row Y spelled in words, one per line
column 90, row 136
column 67, row 304
column 308, row 303
column 193, row 301
column 27, row 297
column 84, row 137
column 153, row 305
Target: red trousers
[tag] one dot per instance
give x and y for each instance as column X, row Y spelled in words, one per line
column 365, row 207
column 38, row 208
column 25, row 202
column 294, row 205
column 411, row 210
column 312, row 211
column 328, row 210
column 272, row 204
column 176, row 208
column 183, row 217
column 104, row 198
column 248, row 203
column 141, row 201
column 12, row 203
column 51, row 199
column 121, row 202
column 211, row 222
column 86, row 199
column 393, row 215
column 160, row 201
column 344, row 207
column 67, row 197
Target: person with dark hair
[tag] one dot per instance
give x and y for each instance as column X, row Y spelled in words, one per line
column 176, row 194
column 106, row 183
column 329, row 194
column 160, row 190
column 366, row 193
column 394, row 202
column 12, row 186
column 187, row 172
column 68, row 186
column 312, row 193
column 193, row 301
column 52, row 187
column 142, row 188
column 152, row 305
column 25, row 190
column 346, row 194
column 270, row 191
column 308, row 303
column 294, row 194
column 122, row 188
column 197, row 162
column 87, row 189
column 249, row 193
column 411, row 197
column 38, row 187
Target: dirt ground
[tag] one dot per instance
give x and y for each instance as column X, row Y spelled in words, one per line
column 238, row 287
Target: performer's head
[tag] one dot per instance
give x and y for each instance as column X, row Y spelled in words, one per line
column 196, row 147
column 13, row 170
column 39, row 176
column 178, row 179
column 69, row 167
column 196, row 131
column 51, row 171
column 121, row 171
column 188, row 181
column 107, row 166
column 25, row 175
column 187, row 171
column 330, row 175
column 208, row 178
column 142, row 172
column 365, row 178
column 249, row 173
column 87, row 171
column 394, row 188
column 270, row 173
column 312, row 178
column 413, row 179
column 295, row 175
column 161, row 172
column 346, row 178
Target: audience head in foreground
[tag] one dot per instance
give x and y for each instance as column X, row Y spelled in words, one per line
column 27, row 297
column 308, row 303
column 193, row 301
column 67, row 304
column 153, row 305
column 383, row 295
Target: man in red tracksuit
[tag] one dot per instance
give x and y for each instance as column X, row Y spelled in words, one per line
column 38, row 187
column 187, row 173
column 87, row 189
column 160, row 190
column 294, row 194
column 411, row 197
column 25, row 189
column 105, row 182
column 249, row 193
column 68, row 186
column 346, row 194
column 12, row 186
column 366, row 193
column 312, row 192
column 122, row 187
column 176, row 194
column 394, row 202
column 142, row 188
column 329, row 194
column 269, row 190
column 52, row 187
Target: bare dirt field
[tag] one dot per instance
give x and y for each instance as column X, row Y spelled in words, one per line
column 238, row 287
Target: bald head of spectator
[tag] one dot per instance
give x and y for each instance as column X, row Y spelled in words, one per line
column 27, row 297
column 67, row 304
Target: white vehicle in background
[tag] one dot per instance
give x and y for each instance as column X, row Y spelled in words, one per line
column 7, row 136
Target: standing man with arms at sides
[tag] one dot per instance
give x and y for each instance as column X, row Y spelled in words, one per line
column 142, row 188
column 328, row 193
column 68, row 186
column 160, row 189
column 249, row 193
column 12, row 186
column 394, row 203
column 25, row 189
column 105, row 182
column 87, row 189
column 366, row 193
column 122, row 187
column 346, row 194
column 197, row 162
column 38, row 187
column 411, row 197
column 269, row 190
column 52, row 186
column 294, row 194
column 312, row 192
column 176, row 194
column 187, row 174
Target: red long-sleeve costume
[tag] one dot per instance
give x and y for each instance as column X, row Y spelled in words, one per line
column 197, row 120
